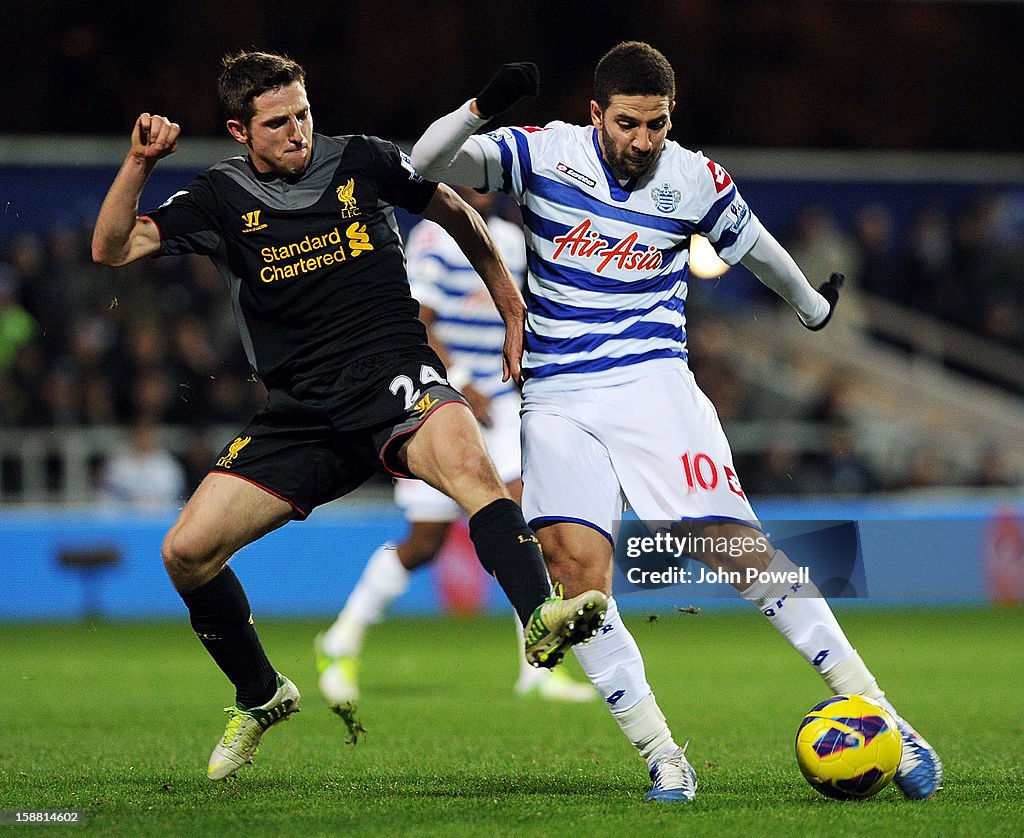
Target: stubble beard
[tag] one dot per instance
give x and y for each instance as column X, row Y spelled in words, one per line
column 621, row 165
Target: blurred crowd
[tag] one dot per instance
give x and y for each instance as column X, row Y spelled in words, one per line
column 155, row 345
column 965, row 268
column 150, row 345
column 93, row 346
column 819, row 444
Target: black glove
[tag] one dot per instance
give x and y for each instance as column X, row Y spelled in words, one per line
column 510, row 83
column 830, row 291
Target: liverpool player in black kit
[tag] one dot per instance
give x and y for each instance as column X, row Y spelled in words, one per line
column 302, row 228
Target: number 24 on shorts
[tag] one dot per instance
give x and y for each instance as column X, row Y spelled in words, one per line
column 701, row 472
column 409, row 390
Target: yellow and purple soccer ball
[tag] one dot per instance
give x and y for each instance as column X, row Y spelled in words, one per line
column 848, row 747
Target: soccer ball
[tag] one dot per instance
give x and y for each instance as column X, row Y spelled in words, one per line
column 848, row 747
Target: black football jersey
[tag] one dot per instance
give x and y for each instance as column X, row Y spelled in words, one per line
column 314, row 263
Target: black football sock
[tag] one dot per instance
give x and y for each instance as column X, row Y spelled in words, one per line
column 221, row 618
column 510, row 552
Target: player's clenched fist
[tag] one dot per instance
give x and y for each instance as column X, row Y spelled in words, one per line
column 154, row 136
column 830, row 291
column 510, row 83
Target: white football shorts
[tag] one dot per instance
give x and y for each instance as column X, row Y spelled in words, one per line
column 655, row 443
column 422, row 502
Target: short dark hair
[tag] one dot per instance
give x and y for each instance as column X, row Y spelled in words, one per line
column 633, row 68
column 246, row 75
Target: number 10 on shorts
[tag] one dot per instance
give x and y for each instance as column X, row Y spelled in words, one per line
column 702, row 473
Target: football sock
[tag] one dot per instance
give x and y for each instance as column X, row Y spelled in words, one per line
column 852, row 676
column 612, row 662
column 510, row 552
column 383, row 580
column 644, row 726
column 802, row 615
column 220, row 615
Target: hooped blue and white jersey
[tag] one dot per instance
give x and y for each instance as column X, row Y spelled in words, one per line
column 467, row 323
column 608, row 264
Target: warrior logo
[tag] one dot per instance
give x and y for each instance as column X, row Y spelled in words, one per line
column 252, row 221
column 425, row 405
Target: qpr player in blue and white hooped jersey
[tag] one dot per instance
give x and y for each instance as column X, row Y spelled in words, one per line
column 611, row 412
column 607, row 222
column 608, row 263
column 465, row 319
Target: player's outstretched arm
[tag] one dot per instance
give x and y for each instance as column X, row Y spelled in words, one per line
column 771, row 263
column 442, row 152
column 120, row 236
column 465, row 225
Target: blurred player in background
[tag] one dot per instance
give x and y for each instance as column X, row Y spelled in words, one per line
column 610, row 408
column 302, row 228
column 466, row 332
column 143, row 473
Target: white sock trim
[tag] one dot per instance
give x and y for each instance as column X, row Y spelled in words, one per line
column 851, row 676
column 644, row 725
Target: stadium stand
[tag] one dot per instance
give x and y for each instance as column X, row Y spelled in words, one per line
column 919, row 386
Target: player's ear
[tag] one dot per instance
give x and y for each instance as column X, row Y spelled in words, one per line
column 237, row 129
column 595, row 113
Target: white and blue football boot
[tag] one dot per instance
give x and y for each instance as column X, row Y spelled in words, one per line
column 674, row 779
column 920, row 773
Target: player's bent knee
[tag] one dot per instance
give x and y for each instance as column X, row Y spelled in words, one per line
column 186, row 561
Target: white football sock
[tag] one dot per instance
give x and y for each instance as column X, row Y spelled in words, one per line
column 802, row 615
column 644, row 726
column 612, row 662
column 852, row 676
column 383, row 580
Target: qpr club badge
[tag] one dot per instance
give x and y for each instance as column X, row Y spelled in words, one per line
column 665, row 198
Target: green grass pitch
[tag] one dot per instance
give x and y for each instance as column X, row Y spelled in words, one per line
column 118, row 720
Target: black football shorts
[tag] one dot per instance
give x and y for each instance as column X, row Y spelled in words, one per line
column 326, row 437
